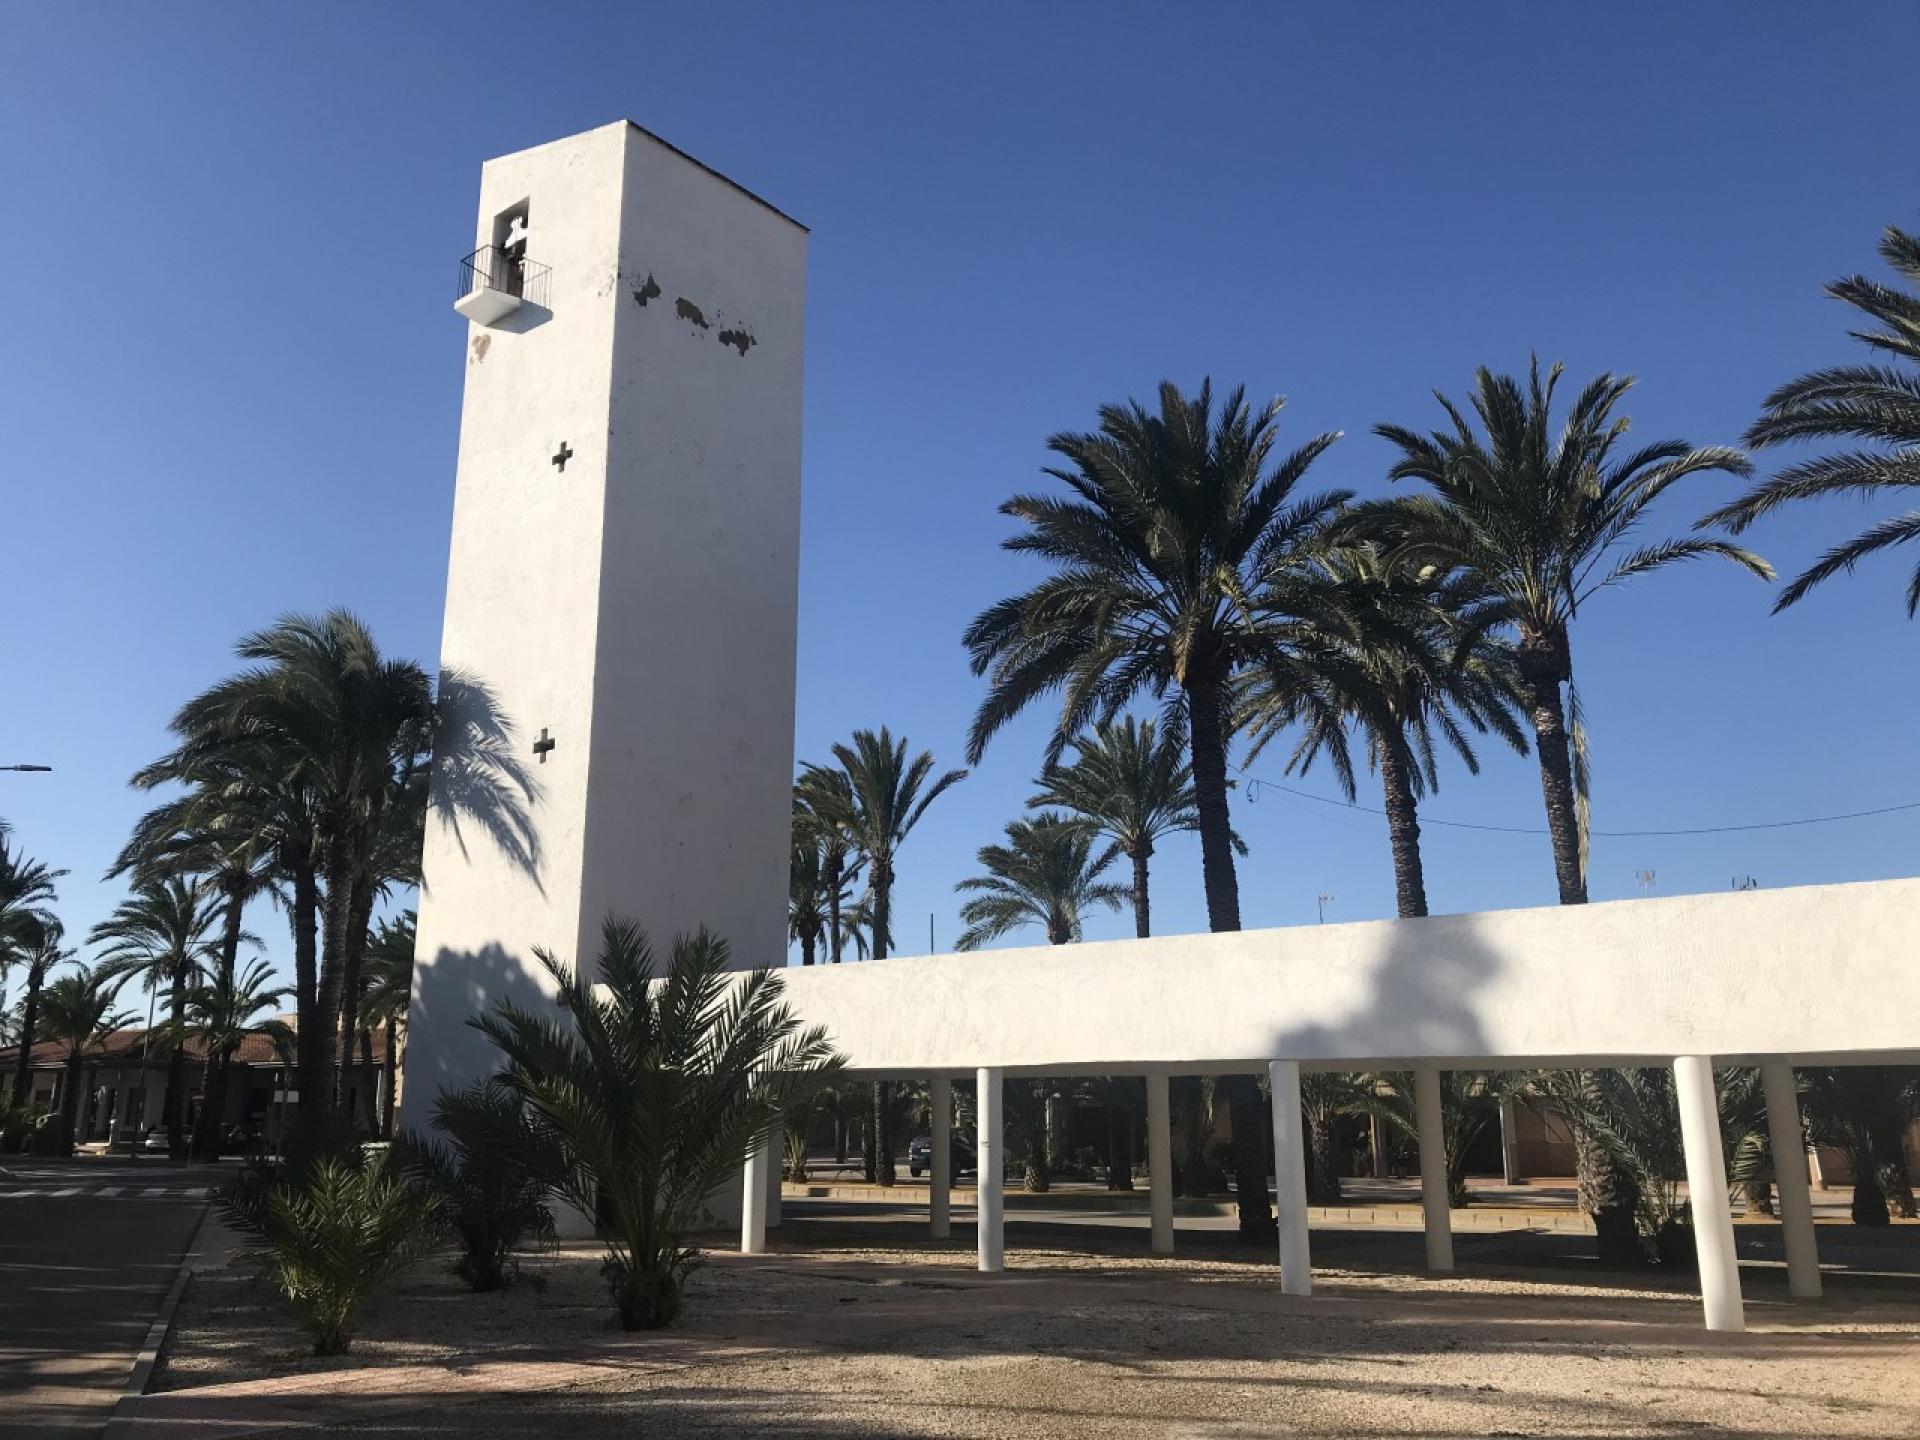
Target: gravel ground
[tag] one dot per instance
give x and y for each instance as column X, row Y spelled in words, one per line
column 868, row 1339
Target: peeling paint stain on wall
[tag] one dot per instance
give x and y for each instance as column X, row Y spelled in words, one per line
column 649, row 290
column 739, row 339
column 480, row 344
column 687, row 310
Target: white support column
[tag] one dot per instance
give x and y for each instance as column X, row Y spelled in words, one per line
column 1707, row 1192
column 753, row 1200
column 1435, row 1212
column 990, row 1157
column 1790, row 1177
column 940, row 1162
column 1290, row 1177
column 776, row 1168
column 1160, row 1162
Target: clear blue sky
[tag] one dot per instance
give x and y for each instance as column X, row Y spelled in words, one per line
column 233, row 373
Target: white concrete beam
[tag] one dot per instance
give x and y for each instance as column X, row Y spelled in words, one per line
column 1707, row 1192
column 1290, row 1177
column 990, row 1157
column 1160, row 1161
column 1622, row 983
column 940, row 1162
column 1790, row 1179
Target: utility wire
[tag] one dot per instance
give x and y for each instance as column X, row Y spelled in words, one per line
column 1255, row 785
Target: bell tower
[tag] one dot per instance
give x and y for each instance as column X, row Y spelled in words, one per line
column 621, row 591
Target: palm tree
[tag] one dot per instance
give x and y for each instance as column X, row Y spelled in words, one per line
column 77, row 1010
column 879, row 798
column 389, row 993
column 1528, row 526
column 1876, row 404
column 823, row 810
column 353, row 730
column 1328, row 1097
column 806, row 889
column 162, row 934
column 29, row 934
column 1047, row 874
column 1470, row 1100
column 1864, row 1111
column 654, row 1092
column 1132, row 781
column 1458, row 674
column 244, row 787
column 222, row 1010
column 1175, row 521
column 189, row 838
column 886, row 797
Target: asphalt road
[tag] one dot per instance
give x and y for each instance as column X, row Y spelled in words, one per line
column 88, row 1250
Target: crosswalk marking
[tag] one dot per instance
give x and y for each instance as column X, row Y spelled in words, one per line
column 107, row 1192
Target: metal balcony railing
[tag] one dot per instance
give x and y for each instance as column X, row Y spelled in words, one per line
column 492, row 268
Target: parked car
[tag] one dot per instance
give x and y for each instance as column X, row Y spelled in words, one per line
column 157, row 1141
column 242, row 1138
column 920, row 1155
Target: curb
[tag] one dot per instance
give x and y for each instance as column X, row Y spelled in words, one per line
column 121, row 1420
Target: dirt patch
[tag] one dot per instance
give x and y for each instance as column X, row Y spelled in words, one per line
column 876, row 1340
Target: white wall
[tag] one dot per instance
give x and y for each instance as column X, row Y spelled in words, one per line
column 640, row 605
column 1805, row 972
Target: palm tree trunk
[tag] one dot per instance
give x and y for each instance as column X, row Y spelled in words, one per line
column 1209, row 744
column 353, row 949
column 1142, row 912
column 835, row 939
column 392, row 1064
column 1403, row 831
column 1543, row 667
column 236, row 897
column 338, row 876
column 69, row 1100
column 806, row 947
column 310, row 1030
column 1208, row 740
column 29, row 1015
column 882, row 880
column 176, row 1103
column 213, row 1096
column 1323, row 1175
column 366, row 1091
column 1119, row 1167
column 1608, row 1192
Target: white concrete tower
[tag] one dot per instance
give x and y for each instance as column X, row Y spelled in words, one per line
column 623, row 577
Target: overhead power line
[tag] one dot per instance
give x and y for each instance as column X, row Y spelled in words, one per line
column 1255, row 785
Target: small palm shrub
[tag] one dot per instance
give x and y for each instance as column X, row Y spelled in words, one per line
column 794, row 1146
column 333, row 1237
column 1631, row 1117
column 1025, row 1108
column 655, row 1093
column 1863, row 1111
column 492, row 1178
column 1469, row 1102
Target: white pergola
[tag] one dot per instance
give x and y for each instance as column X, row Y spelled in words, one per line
column 1803, row 976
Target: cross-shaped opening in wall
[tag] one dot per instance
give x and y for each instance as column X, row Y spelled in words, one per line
column 561, row 456
column 543, row 745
